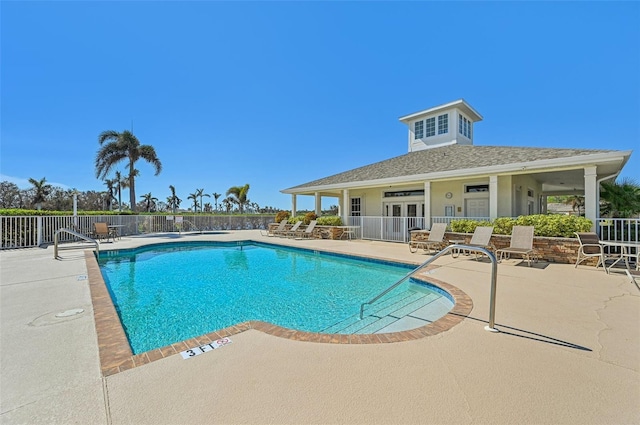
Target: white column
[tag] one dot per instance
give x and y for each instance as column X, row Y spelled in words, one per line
column 293, row 205
column 345, row 206
column 427, row 205
column 39, row 230
column 493, row 197
column 75, row 211
column 591, row 195
column 318, row 204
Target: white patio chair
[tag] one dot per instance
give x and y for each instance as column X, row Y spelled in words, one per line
column 521, row 243
column 434, row 241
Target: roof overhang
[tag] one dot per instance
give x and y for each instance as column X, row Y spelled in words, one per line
column 607, row 164
column 459, row 104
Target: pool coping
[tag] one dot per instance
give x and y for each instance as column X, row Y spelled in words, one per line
column 116, row 355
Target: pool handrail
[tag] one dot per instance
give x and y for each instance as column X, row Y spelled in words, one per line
column 459, row 247
column 74, row 233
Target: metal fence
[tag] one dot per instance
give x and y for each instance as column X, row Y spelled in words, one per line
column 30, row 231
column 619, row 229
column 391, row 229
column 396, row 229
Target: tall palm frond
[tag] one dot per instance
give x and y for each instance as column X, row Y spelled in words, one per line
column 620, row 199
column 115, row 147
column 238, row 195
column 42, row 190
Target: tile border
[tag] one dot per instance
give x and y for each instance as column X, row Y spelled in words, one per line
column 116, row 355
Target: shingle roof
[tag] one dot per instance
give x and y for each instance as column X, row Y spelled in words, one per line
column 447, row 158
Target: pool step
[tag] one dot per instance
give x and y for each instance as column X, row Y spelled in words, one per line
column 408, row 310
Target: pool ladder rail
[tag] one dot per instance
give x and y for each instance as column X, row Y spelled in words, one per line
column 74, row 233
column 494, row 268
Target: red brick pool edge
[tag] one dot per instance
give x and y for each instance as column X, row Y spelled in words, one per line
column 116, row 355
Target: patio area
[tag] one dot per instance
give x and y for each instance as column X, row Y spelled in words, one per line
column 568, row 352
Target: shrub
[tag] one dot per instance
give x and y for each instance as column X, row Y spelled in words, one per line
column 282, row 215
column 467, row 226
column 24, row 212
column 294, row 220
column 550, row 225
column 308, row 217
column 502, row 225
column 330, row 220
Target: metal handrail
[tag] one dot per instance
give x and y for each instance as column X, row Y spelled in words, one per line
column 494, row 269
column 74, row 233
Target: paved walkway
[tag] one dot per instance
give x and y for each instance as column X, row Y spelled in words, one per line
column 568, row 352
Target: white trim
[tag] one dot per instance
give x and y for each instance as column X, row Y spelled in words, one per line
column 547, row 165
column 460, row 104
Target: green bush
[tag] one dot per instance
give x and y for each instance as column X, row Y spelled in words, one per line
column 22, row 212
column 550, row 225
column 329, row 220
column 294, row 220
column 503, row 225
column 308, row 217
column 466, row 225
column 282, row 215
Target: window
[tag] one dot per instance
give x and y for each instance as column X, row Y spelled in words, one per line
column 431, row 127
column 418, row 130
column 449, row 211
column 356, row 207
column 464, row 126
column 443, row 124
column 404, row 193
column 474, row 188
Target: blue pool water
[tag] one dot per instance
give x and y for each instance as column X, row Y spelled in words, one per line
column 172, row 292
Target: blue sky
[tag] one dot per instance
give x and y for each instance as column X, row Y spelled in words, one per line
column 276, row 94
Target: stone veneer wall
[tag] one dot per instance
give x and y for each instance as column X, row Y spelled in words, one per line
column 554, row 250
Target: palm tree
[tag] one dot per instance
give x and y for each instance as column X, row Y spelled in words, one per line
column 576, row 202
column 111, row 188
column 216, row 196
column 228, row 203
column 173, row 200
column 120, row 146
column 238, row 194
column 149, row 200
column 42, row 191
column 620, row 199
column 195, row 201
column 122, row 183
column 200, row 193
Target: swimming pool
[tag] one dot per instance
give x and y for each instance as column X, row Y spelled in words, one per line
column 171, row 292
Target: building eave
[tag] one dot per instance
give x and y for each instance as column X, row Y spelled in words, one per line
column 556, row 164
column 460, row 104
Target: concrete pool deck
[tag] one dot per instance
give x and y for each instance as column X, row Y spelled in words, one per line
column 568, row 352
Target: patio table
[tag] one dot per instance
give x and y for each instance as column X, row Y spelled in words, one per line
column 349, row 231
column 626, row 253
column 115, row 228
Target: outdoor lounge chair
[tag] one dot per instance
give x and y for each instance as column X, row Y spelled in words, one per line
column 521, row 243
column 633, row 275
column 271, row 233
column 102, row 231
column 291, row 232
column 590, row 247
column 307, row 232
column 434, row 241
column 282, row 229
column 482, row 238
